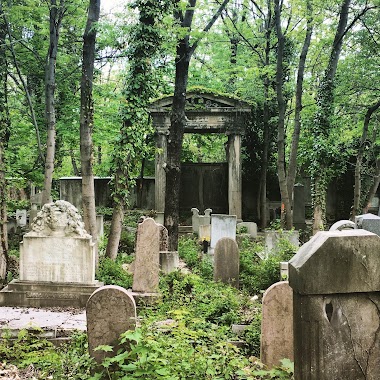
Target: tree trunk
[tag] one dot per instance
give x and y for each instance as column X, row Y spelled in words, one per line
column 359, row 159
column 373, row 189
column 50, row 84
column 286, row 211
column 174, row 147
column 292, row 166
column 116, row 228
column 325, row 102
column 87, row 121
column 4, row 137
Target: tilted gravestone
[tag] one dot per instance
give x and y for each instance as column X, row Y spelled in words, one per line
column 277, row 324
column 226, row 262
column 147, row 262
column 110, row 311
column 336, row 289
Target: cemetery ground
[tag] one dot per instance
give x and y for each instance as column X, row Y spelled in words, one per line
column 186, row 335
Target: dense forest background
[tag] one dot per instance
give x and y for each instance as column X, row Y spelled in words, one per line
column 310, row 70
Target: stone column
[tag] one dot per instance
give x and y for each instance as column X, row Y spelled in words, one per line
column 234, row 176
column 160, row 181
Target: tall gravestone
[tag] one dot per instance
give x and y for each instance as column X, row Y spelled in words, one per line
column 336, row 289
column 226, row 262
column 57, row 261
column 110, row 311
column 222, row 226
column 277, row 324
column 147, row 262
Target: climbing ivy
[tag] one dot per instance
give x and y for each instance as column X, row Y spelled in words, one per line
column 140, row 87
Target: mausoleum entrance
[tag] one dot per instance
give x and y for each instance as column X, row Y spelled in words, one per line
column 205, row 113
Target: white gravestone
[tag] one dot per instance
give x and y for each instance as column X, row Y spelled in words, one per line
column 57, row 249
column 222, row 226
column 21, row 218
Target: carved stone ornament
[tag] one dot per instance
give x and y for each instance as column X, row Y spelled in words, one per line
column 59, row 218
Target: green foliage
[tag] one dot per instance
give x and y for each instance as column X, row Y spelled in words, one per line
column 256, row 274
column 111, row 273
column 69, row 361
column 181, row 350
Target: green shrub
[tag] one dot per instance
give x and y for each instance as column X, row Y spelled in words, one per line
column 111, row 273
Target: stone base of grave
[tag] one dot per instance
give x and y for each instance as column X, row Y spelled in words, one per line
column 143, row 299
column 47, row 294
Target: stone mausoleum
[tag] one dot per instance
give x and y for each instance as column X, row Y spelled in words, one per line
column 205, row 113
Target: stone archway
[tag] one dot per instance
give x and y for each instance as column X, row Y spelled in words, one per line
column 206, row 113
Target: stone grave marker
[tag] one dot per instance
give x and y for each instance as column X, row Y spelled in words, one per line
column 299, row 219
column 222, row 226
column 336, row 290
column 57, row 261
column 21, row 218
column 147, row 262
column 277, row 324
column 272, row 240
column 369, row 222
column 195, row 220
column 226, row 262
column 169, row 260
column 110, row 311
column 250, row 226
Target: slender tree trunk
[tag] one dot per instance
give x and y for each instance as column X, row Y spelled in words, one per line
column 4, row 137
column 373, row 189
column 178, row 119
column 292, row 166
column 87, row 120
column 286, row 211
column 325, row 102
column 358, row 166
column 56, row 13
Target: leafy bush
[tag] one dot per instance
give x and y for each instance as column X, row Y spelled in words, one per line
column 111, row 273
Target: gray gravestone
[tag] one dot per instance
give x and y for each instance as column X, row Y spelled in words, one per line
column 369, row 222
column 250, row 226
column 336, row 289
column 169, row 261
column 277, row 324
column 110, row 311
column 195, row 219
column 226, row 262
column 222, row 226
column 273, row 237
column 147, row 262
column 299, row 219
column 21, row 218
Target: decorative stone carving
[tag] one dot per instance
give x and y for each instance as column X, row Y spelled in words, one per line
column 58, row 218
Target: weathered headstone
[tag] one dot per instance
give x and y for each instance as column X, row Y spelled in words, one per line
column 21, row 218
column 100, row 225
column 336, row 289
column 284, row 270
column 250, row 226
column 147, row 262
column 110, row 311
column 195, row 220
column 368, row 222
column 57, row 261
column 169, row 261
column 226, row 262
column 277, row 324
column 273, row 237
column 222, row 226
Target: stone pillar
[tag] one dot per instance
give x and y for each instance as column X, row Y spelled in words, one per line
column 160, row 182
column 234, row 176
